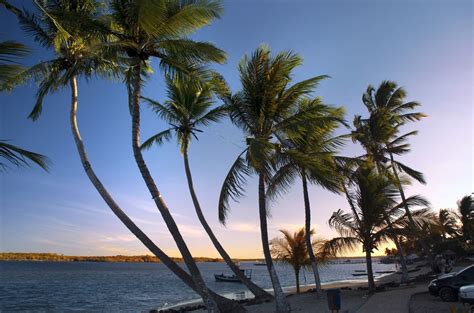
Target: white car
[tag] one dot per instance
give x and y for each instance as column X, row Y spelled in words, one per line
column 466, row 294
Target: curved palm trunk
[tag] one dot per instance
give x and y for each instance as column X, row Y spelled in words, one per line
column 400, row 249
column 309, row 245
column 256, row 290
column 370, row 273
column 424, row 246
column 280, row 299
column 157, row 197
column 122, row 216
column 395, row 239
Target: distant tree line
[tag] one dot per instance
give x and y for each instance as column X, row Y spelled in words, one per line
column 69, row 258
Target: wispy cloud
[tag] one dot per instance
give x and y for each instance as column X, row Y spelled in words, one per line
column 244, row 227
column 191, row 230
column 118, row 238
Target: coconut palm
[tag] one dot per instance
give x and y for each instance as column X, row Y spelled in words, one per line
column 291, row 250
column 83, row 58
column 265, row 108
column 187, row 109
column 310, row 158
column 145, row 29
column 375, row 214
column 373, row 196
column 346, row 169
column 379, row 134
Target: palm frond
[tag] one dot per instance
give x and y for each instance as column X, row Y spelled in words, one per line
column 19, row 157
column 158, row 139
column 281, row 181
column 233, row 186
column 410, row 172
column 212, row 116
column 338, row 245
column 343, row 224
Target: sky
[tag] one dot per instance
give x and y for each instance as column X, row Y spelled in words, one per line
column 425, row 46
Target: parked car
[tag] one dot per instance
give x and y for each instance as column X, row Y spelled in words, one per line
column 447, row 286
column 466, row 294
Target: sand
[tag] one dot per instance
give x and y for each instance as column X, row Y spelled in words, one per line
column 353, row 295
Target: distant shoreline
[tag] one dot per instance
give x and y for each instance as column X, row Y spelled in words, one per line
column 55, row 257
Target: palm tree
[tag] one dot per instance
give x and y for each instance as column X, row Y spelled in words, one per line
column 70, row 63
column 372, row 198
column 145, row 29
column 292, row 250
column 187, row 109
column 388, row 112
column 265, row 108
column 466, row 216
column 310, row 158
column 9, row 68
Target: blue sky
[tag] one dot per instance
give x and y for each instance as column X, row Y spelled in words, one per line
column 425, row 46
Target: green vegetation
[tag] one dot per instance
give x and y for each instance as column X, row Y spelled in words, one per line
column 289, row 134
column 187, row 110
column 10, row 51
column 69, row 258
column 291, row 250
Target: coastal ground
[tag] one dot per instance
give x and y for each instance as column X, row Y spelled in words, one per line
column 412, row 298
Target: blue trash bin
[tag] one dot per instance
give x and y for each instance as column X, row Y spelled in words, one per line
column 334, row 299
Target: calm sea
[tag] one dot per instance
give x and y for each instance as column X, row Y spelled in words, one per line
column 127, row 287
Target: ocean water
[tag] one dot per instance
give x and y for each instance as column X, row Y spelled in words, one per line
column 129, row 287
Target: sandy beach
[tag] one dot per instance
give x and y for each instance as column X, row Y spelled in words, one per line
column 353, row 294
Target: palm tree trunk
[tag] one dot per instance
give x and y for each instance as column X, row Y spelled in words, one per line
column 157, row 197
column 403, row 261
column 280, row 299
column 400, row 249
column 297, row 276
column 259, row 293
column 309, row 244
column 395, row 239
column 424, row 246
column 122, row 216
column 370, row 273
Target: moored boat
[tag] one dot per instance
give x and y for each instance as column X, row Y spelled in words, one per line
column 232, row 278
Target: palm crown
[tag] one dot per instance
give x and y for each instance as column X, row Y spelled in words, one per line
column 266, row 107
column 78, row 51
column 379, row 133
column 157, row 28
column 311, row 152
column 187, row 108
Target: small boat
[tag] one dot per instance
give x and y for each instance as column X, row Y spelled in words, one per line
column 359, row 271
column 232, row 278
column 359, row 274
column 384, row 272
column 259, row 263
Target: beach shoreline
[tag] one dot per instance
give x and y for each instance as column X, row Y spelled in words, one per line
column 347, row 284
column 289, row 290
